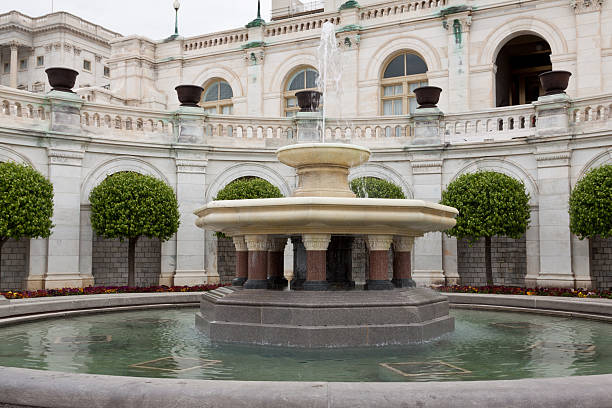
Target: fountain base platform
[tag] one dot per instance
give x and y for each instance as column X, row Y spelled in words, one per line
column 324, row 319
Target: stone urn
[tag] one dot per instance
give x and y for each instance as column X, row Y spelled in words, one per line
column 189, row 95
column 61, row 79
column 308, row 101
column 555, row 82
column 427, row 96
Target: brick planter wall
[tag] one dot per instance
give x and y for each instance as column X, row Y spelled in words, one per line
column 226, row 259
column 15, row 257
column 601, row 263
column 508, row 261
column 110, row 262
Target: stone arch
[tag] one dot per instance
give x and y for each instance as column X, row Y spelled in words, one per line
column 10, row 155
column 221, row 72
column 398, row 44
column 523, row 25
column 382, row 172
column 247, row 169
column 287, row 67
column 597, row 161
column 506, row 167
column 117, row 165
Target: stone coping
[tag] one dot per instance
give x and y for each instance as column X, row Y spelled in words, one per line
column 34, row 388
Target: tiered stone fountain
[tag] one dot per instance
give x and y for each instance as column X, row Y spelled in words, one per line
column 323, row 209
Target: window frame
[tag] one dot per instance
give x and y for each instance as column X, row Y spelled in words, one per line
column 291, row 111
column 405, row 81
column 38, row 59
column 218, row 104
column 90, row 65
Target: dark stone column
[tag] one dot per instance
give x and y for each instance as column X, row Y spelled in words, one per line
column 276, row 267
column 316, row 264
column 242, row 261
column 258, row 262
column 299, row 264
column 340, row 262
column 378, row 278
column 402, row 264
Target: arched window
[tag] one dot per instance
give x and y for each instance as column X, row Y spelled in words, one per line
column 402, row 75
column 303, row 79
column 217, row 98
column 519, row 63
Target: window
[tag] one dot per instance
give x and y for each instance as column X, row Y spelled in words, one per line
column 304, row 79
column 107, row 72
column 23, row 64
column 218, row 98
column 87, row 65
column 7, row 67
column 40, row 60
column 38, row 87
column 402, row 75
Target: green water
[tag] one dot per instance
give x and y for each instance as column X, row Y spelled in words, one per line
column 166, row 344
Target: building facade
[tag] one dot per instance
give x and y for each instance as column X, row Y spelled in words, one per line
column 485, row 55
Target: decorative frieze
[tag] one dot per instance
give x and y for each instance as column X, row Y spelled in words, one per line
column 67, row 158
column 191, row 166
column 256, row 242
column 379, row 242
column 316, row 242
column 553, row 159
column 427, row 167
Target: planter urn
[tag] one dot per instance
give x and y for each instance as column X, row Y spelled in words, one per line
column 308, row 101
column 554, row 82
column 427, row 96
column 189, row 95
column 61, row 79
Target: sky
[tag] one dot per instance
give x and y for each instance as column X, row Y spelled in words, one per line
column 150, row 18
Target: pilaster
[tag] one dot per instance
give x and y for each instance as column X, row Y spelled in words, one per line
column 191, row 245
column 428, row 253
column 589, row 63
column 457, row 26
column 554, row 234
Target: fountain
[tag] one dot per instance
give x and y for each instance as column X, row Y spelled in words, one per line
column 322, row 217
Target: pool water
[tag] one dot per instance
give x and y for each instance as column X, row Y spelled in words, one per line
column 166, row 344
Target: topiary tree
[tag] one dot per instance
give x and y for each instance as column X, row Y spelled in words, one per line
column 247, row 188
column 372, row 187
column 590, row 205
column 129, row 205
column 26, row 204
column 489, row 204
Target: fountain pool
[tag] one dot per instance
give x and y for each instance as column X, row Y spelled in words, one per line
column 165, row 344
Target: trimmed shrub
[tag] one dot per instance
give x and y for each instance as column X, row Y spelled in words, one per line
column 372, row 187
column 590, row 205
column 248, row 188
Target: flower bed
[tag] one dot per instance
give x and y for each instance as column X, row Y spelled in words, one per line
column 513, row 290
column 100, row 290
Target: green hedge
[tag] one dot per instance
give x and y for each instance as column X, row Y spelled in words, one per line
column 248, row 188
column 372, row 187
column 590, row 205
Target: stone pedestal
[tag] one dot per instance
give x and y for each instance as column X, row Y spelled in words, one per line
column 308, row 127
column 402, row 264
column 257, row 261
column 190, row 125
column 276, row 253
column 316, row 251
column 378, row 246
column 427, row 130
column 242, row 261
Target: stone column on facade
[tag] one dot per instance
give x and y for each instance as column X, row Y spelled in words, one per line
column 532, row 248
column 589, row 60
column 190, row 240
column 316, row 261
column 257, row 246
column 13, row 68
column 349, row 38
column 86, row 242
column 37, row 264
column 428, row 250
column 254, row 54
column 276, row 267
column 555, row 236
column 457, row 26
column 168, row 264
column 449, row 260
column 402, row 263
column 63, row 264
column 242, row 262
column 378, row 274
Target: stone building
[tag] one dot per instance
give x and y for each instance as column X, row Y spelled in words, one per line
column 484, row 54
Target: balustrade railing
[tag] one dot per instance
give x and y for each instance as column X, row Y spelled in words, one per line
column 22, row 109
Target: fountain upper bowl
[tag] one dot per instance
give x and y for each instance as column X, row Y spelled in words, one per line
column 333, row 154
